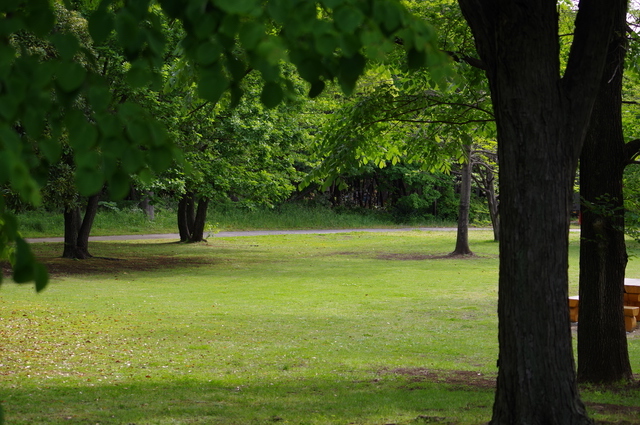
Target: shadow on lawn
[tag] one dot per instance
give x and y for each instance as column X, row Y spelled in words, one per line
column 397, row 396
column 294, row 401
column 124, row 257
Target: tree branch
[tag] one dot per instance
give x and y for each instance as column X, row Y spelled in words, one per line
column 631, row 151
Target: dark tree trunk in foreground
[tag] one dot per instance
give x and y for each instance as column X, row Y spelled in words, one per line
column 192, row 219
column 541, row 120
column 77, row 230
column 603, row 355
column 462, row 239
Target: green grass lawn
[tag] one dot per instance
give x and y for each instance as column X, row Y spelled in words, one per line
column 354, row 328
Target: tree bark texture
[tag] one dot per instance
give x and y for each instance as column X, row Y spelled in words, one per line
column 77, row 230
column 192, row 215
column 541, row 120
column 462, row 238
column 71, row 229
column 197, row 234
column 603, row 355
column 186, row 216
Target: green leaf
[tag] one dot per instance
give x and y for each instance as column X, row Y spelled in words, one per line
column 317, row 87
column 99, row 97
column 350, row 70
column 238, row 6
column 139, row 75
column 119, row 185
column 212, row 84
column 70, row 76
column 132, row 160
column 89, row 180
column 310, row 69
column 416, row 59
column 271, row 95
column 9, row 139
column 236, row 95
column 250, row 34
column 66, row 44
column 101, row 23
column 87, row 159
column 51, row 150
column 39, row 18
column 388, row 14
column 326, row 43
column 348, row 18
column 173, row 8
column 82, row 135
column 208, row 52
column 161, row 159
column 23, row 262
column 40, row 276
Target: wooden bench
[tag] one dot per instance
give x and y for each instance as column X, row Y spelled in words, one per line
column 631, row 312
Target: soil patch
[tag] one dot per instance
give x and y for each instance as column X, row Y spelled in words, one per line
column 457, row 378
column 418, row 257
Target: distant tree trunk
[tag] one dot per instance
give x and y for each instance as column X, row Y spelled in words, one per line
column 71, row 229
column 186, row 216
column 462, row 239
column 77, row 230
column 492, row 202
column 603, row 355
column 191, row 222
column 197, row 234
column 147, row 206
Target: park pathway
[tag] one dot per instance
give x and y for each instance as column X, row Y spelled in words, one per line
column 258, row 233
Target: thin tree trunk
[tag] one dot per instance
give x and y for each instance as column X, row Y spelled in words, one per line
column 603, row 355
column 147, row 206
column 492, row 202
column 183, row 218
column 82, row 245
column 462, row 239
column 197, row 232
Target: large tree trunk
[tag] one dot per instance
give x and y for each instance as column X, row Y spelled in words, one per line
column 462, row 239
column 541, row 121
column 603, row 356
